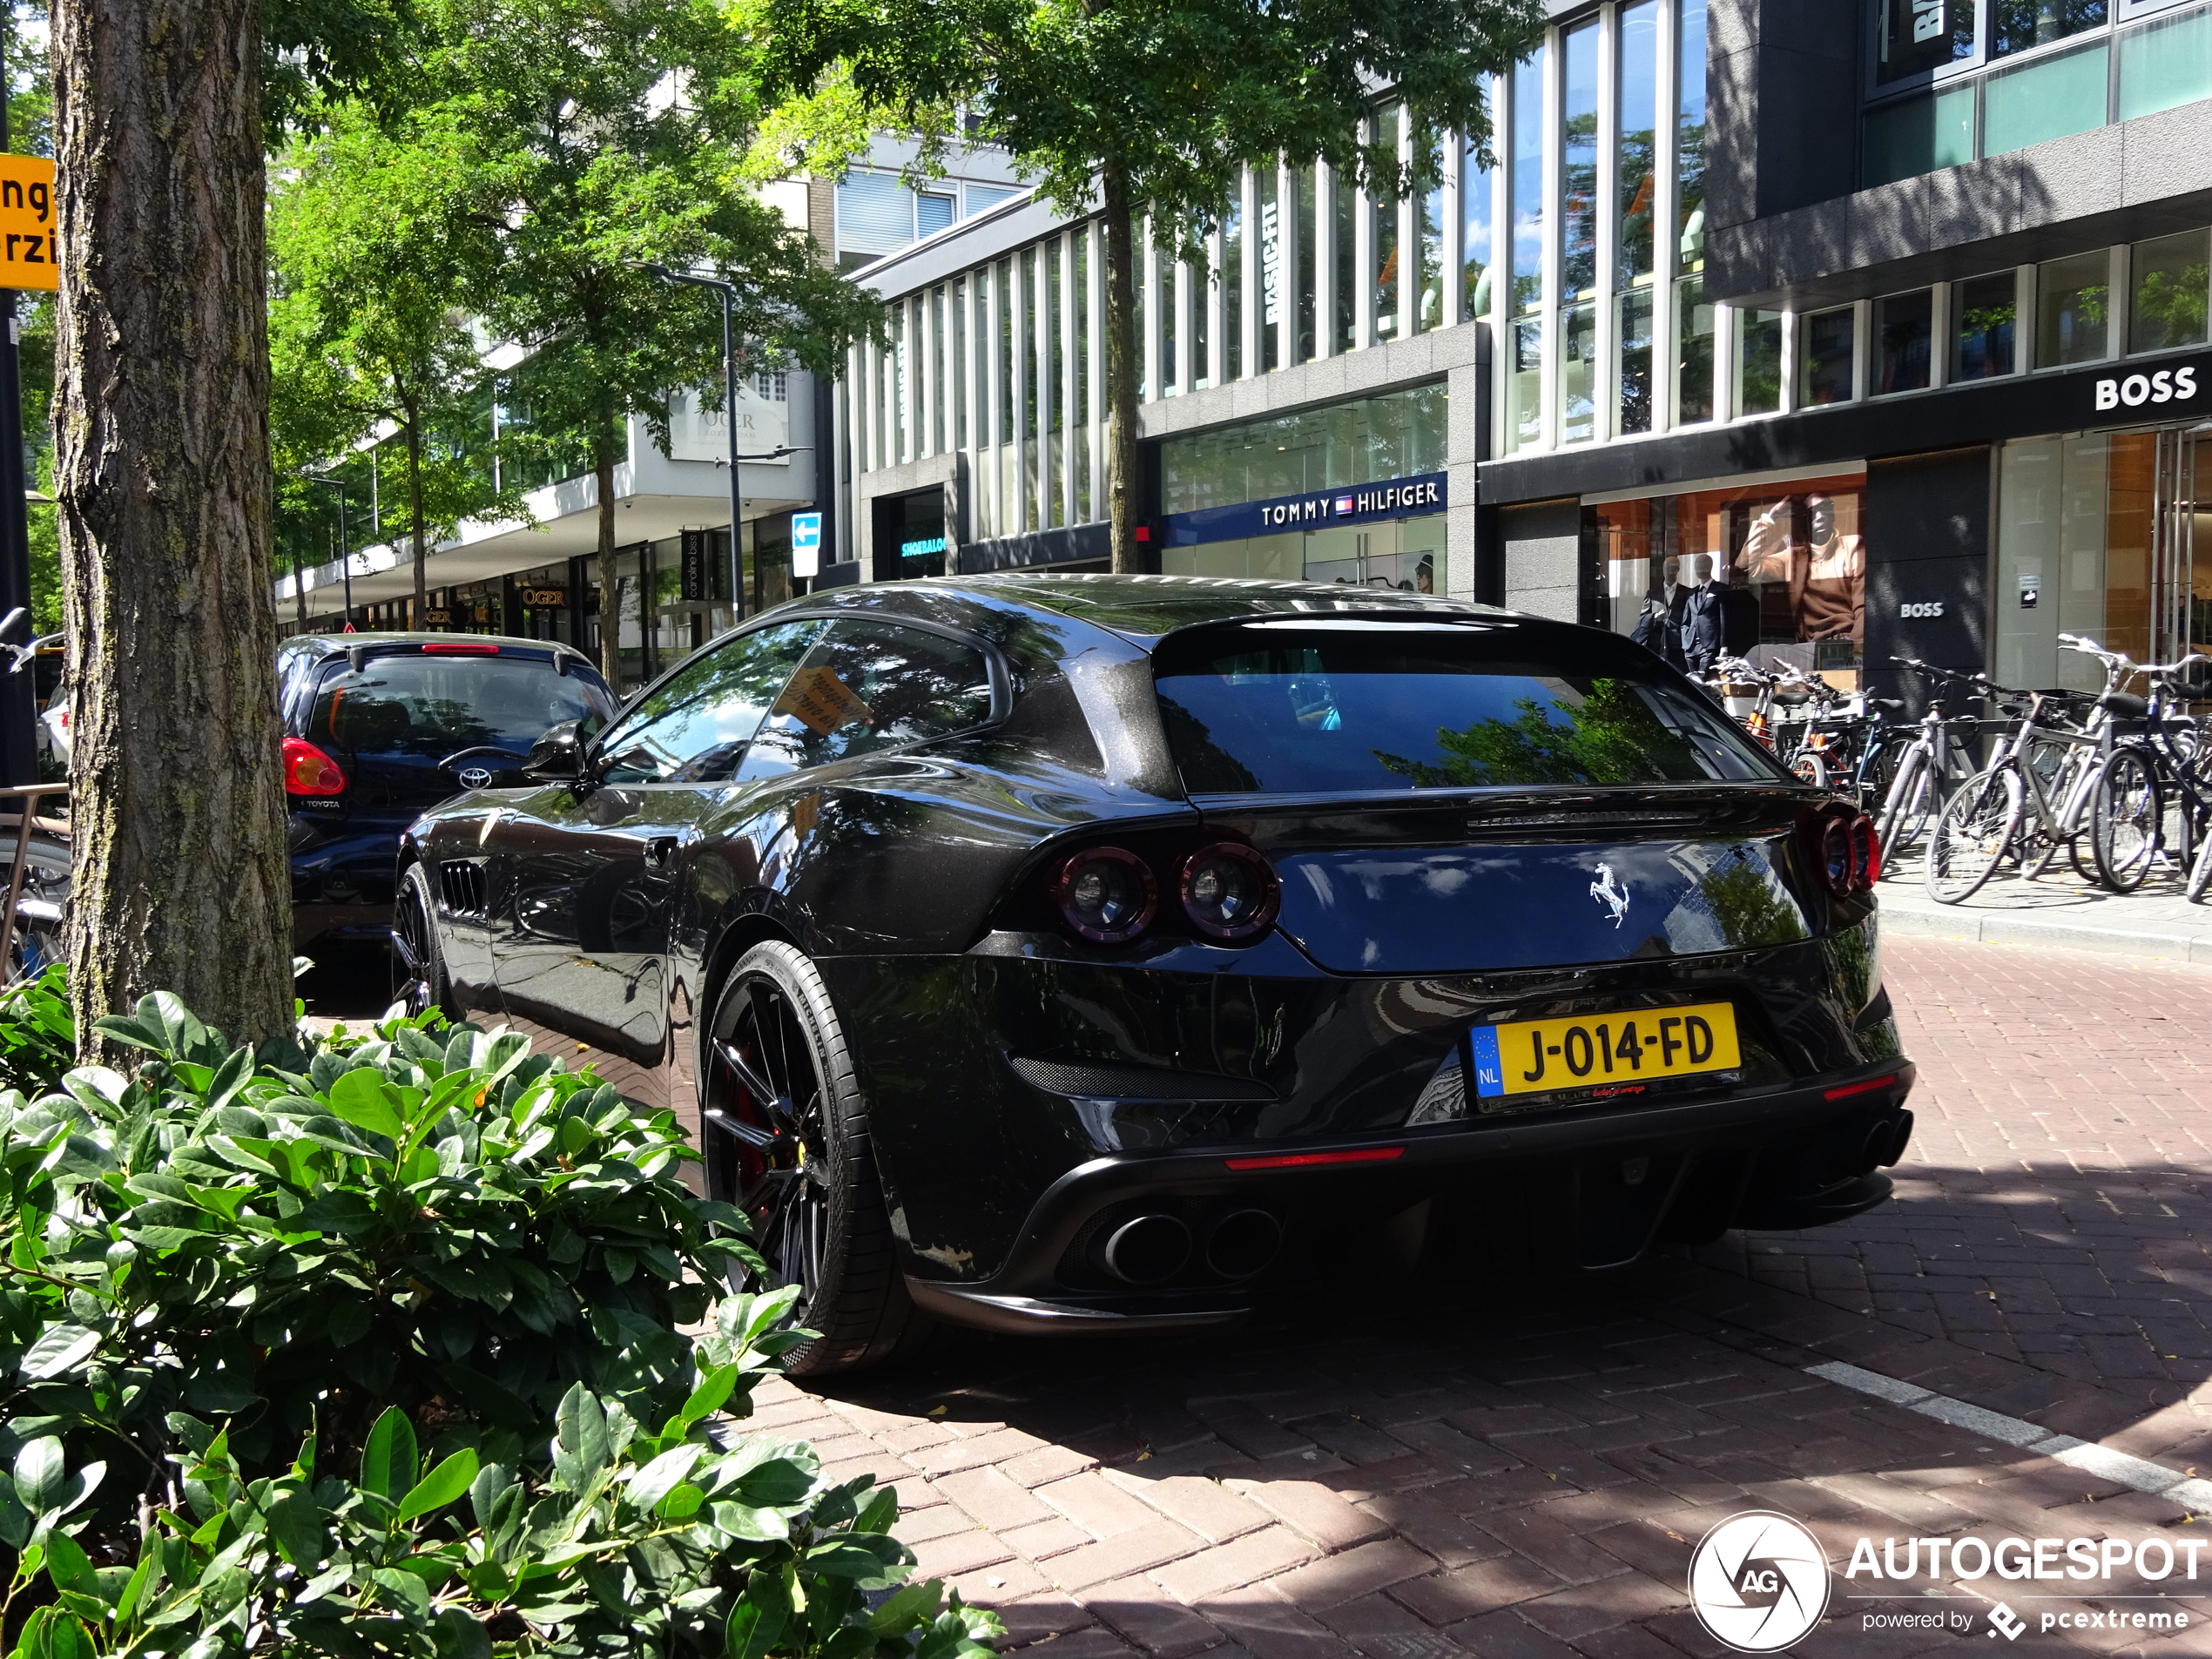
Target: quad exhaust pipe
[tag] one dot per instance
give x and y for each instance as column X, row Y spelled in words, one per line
column 1153, row 1249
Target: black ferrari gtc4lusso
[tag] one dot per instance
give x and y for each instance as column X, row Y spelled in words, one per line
column 1056, row 952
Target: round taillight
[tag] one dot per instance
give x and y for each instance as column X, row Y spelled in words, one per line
column 1836, row 855
column 1865, row 854
column 1228, row 891
column 308, row 770
column 1106, row 894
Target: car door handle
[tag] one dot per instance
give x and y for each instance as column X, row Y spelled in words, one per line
column 658, row 851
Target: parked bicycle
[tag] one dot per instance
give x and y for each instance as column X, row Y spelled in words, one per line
column 2038, row 795
column 1929, row 770
column 2170, row 762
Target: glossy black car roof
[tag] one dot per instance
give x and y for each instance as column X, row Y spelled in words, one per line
column 337, row 644
column 1143, row 608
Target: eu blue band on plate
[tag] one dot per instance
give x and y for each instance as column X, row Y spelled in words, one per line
column 1490, row 1078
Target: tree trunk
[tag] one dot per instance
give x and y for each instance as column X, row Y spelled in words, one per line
column 414, row 511
column 1121, row 371
column 161, row 472
column 602, row 468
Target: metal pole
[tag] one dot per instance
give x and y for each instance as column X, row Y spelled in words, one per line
column 18, row 700
column 737, row 495
column 345, row 553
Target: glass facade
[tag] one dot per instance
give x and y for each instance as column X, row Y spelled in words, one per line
column 2167, row 309
column 1775, row 574
column 1368, row 441
column 1825, row 360
column 1904, row 337
column 1982, row 80
column 2074, row 310
column 1984, row 311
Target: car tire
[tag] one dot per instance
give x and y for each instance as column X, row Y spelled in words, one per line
column 788, row 1142
column 418, row 966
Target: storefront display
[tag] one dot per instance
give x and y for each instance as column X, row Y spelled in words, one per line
column 1774, row 573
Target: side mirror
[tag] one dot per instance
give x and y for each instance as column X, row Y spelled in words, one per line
column 557, row 757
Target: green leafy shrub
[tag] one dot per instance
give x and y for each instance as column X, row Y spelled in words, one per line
column 471, row 1289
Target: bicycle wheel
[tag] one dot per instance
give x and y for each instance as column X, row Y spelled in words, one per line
column 1810, row 767
column 2201, row 872
column 1905, row 802
column 1971, row 834
column 2126, row 812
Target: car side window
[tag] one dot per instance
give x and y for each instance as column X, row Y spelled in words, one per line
column 865, row 686
column 694, row 726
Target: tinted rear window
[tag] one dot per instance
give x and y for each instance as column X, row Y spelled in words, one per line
column 1293, row 708
column 430, row 706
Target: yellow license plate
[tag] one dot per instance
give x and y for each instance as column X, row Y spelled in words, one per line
column 1591, row 1051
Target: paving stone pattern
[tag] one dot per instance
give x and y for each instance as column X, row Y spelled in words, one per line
column 1522, row 1471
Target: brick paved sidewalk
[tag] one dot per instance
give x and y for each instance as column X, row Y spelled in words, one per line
column 1526, row 1473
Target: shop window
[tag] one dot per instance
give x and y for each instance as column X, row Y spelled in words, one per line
column 1759, row 363
column 1695, row 322
column 1904, row 334
column 1776, row 574
column 2074, row 310
column 1984, row 311
column 1825, row 373
column 1404, row 556
column 1919, row 37
column 2046, row 98
column 1904, row 140
column 1632, row 320
column 2021, row 25
column 2171, row 279
column 1578, row 374
column 2163, row 64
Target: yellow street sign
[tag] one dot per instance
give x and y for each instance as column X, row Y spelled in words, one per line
column 27, row 247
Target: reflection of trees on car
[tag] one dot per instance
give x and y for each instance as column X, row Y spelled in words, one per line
column 1745, row 903
column 1613, row 737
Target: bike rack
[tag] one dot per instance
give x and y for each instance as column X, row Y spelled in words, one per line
column 26, row 821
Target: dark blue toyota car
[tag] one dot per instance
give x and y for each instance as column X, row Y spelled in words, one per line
column 378, row 728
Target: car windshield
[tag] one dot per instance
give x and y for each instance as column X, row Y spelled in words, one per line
column 1293, row 706
column 428, row 706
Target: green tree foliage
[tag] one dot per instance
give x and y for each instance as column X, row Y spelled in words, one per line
column 592, row 138
column 402, row 1345
column 1130, row 103
column 1611, row 737
column 373, row 243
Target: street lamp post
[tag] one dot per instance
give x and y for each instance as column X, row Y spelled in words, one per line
column 729, row 296
column 345, row 548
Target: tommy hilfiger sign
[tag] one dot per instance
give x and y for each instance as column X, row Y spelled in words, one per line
column 1374, row 498
column 1358, row 503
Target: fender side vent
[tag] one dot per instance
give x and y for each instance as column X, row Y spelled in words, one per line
column 461, row 883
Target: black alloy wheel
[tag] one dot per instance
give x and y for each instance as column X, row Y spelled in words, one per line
column 418, row 968
column 787, row 1142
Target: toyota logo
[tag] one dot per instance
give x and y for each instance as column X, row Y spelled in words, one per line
column 476, row 778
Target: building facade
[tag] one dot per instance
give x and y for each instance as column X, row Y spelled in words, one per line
column 1887, row 316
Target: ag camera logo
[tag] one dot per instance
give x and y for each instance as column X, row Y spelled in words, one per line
column 1758, row 1581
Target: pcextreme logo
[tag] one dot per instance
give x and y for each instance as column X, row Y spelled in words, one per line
column 1758, row 1581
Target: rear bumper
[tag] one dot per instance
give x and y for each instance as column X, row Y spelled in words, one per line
column 1613, row 1182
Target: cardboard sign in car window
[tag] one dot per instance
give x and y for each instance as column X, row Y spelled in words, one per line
column 821, row 702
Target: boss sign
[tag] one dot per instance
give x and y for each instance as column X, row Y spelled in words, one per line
column 28, row 251
column 2174, row 385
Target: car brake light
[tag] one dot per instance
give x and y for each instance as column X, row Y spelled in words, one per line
column 308, row 770
column 1865, row 852
column 473, row 647
column 1306, row 1160
column 1845, row 849
column 1106, row 894
column 1228, row 891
